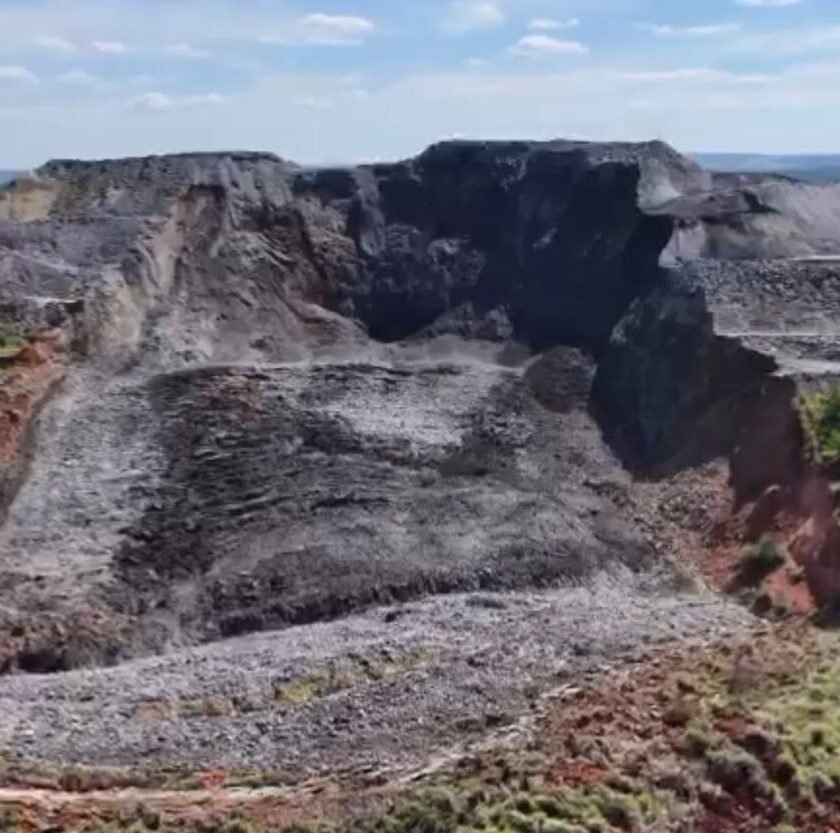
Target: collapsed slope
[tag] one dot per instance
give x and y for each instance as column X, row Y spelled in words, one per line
column 242, row 447
column 444, row 431
column 400, row 416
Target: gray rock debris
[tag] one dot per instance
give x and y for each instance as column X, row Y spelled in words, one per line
column 389, row 689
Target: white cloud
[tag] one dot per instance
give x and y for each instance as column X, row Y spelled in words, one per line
column 16, row 73
column 790, row 41
column 540, row 46
column 313, row 103
column 334, row 29
column 153, row 101
column 548, row 23
column 703, row 31
column 54, row 43
column 767, row 3
column 79, row 77
column 703, row 74
column 109, row 47
column 115, row 26
column 129, row 21
column 399, row 110
column 466, row 15
column 403, row 114
column 318, row 29
column 158, row 101
column 186, row 51
column 475, row 62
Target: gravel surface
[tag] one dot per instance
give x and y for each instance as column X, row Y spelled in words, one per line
column 391, row 687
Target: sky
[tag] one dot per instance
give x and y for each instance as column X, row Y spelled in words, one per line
column 333, row 81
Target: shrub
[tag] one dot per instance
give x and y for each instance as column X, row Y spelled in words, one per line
column 757, row 561
column 11, row 340
column 821, row 415
column 698, row 741
column 9, row 821
column 734, row 769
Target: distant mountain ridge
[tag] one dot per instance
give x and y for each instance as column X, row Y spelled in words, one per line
column 810, row 167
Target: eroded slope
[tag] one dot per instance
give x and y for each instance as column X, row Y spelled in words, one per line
column 353, row 408
column 241, row 451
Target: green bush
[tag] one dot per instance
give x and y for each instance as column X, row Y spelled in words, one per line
column 759, row 560
column 9, row 821
column 821, row 414
column 11, row 340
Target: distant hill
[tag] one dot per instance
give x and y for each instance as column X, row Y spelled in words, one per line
column 809, row 167
column 6, row 176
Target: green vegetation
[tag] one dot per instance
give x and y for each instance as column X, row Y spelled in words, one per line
column 784, row 753
column 504, row 803
column 10, row 822
column 821, row 418
column 595, row 809
column 757, row 561
column 338, row 676
column 322, row 681
column 152, row 825
column 11, row 340
column 807, row 723
column 759, row 733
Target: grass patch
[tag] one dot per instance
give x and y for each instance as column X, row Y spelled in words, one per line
column 763, row 738
column 153, row 826
column 595, row 809
column 339, row 676
column 807, row 721
column 331, row 678
column 821, row 418
column 12, row 340
column 777, row 742
column 10, row 821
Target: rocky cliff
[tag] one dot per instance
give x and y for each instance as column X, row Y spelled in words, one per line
column 339, row 474
column 301, row 392
column 298, row 393
column 306, row 470
column 551, row 236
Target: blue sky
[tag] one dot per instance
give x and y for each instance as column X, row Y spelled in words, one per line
column 350, row 80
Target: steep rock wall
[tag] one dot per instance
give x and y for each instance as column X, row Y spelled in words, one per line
column 288, row 409
column 553, row 233
column 671, row 393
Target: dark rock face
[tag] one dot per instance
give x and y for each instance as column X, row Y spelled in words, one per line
column 552, row 235
column 670, row 392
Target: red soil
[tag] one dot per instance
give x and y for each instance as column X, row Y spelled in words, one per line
column 24, row 386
